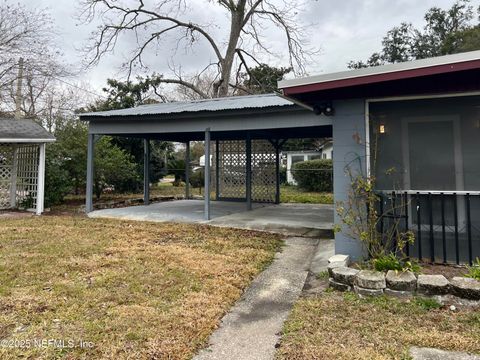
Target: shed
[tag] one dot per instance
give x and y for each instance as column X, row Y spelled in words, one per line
column 22, row 164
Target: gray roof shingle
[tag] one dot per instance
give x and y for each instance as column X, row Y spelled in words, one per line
column 23, row 130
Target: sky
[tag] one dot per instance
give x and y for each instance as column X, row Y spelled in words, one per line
column 343, row 30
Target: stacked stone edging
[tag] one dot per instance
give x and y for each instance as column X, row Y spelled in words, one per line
column 395, row 283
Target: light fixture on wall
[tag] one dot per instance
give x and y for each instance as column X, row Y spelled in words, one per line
column 324, row 108
column 477, row 124
column 382, row 129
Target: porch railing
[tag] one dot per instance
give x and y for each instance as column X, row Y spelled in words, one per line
column 446, row 224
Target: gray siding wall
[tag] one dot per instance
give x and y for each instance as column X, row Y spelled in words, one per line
column 348, row 152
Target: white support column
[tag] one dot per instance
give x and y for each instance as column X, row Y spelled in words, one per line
column 13, row 182
column 41, row 180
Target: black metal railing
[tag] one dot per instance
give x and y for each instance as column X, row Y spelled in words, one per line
column 446, row 224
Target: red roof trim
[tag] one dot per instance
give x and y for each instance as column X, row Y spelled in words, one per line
column 376, row 78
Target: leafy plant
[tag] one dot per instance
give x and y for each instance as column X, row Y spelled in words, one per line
column 393, row 262
column 27, row 202
column 474, row 270
column 361, row 217
column 323, row 275
column 427, row 303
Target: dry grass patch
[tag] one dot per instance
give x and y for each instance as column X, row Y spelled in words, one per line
column 136, row 290
column 336, row 326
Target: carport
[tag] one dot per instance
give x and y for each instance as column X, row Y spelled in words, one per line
column 243, row 138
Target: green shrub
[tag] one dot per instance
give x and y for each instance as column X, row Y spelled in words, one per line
column 197, row 179
column 58, row 182
column 314, row 175
column 474, row 271
column 392, row 262
column 283, row 176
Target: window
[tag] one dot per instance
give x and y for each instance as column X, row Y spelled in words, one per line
column 427, row 145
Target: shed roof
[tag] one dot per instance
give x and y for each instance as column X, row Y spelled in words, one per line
column 371, row 75
column 208, row 105
column 23, row 131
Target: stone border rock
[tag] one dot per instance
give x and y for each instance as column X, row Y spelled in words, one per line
column 398, row 284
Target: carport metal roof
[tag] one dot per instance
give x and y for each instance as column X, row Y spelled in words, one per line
column 198, row 106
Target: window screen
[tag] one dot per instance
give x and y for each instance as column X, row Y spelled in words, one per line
column 426, row 144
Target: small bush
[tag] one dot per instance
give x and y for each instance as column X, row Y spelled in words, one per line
column 392, row 262
column 314, row 175
column 197, row 179
column 474, row 271
column 283, row 176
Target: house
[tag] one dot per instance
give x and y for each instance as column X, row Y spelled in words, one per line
column 415, row 127
column 22, row 164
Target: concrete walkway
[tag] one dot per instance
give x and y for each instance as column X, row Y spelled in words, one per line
column 252, row 328
column 310, row 220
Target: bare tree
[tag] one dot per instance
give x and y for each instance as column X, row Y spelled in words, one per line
column 29, row 34
column 151, row 23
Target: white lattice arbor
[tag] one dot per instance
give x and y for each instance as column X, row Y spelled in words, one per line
column 22, row 164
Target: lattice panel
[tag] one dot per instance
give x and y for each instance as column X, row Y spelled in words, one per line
column 27, row 176
column 6, row 170
column 263, row 171
column 231, row 169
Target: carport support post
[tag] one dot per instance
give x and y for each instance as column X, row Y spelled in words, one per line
column 217, row 170
column 146, row 171
column 207, row 174
column 277, row 172
column 187, row 170
column 248, row 171
column 90, row 171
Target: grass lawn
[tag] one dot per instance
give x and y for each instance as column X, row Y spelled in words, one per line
column 292, row 194
column 342, row 326
column 134, row 290
column 288, row 194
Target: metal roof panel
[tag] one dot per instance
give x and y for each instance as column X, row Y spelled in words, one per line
column 218, row 104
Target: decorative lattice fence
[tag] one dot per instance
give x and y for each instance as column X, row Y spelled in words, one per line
column 232, row 161
column 18, row 175
column 6, row 171
column 231, row 164
column 263, row 171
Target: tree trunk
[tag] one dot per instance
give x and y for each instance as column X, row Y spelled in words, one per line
column 235, row 28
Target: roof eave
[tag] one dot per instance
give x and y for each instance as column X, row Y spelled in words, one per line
column 23, row 140
column 382, row 77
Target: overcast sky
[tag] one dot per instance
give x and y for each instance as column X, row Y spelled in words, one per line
column 344, row 30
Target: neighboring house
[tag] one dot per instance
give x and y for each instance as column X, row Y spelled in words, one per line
column 326, row 148
column 294, row 157
column 415, row 126
column 22, row 164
